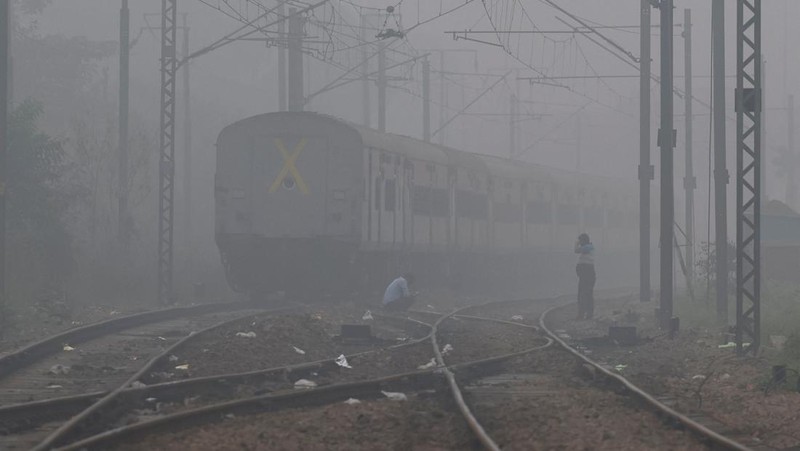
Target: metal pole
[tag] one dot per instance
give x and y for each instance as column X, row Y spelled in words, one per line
column 646, row 172
column 512, row 126
column 578, row 140
column 365, row 98
column 442, row 96
column 764, row 156
column 4, row 82
column 166, row 166
column 791, row 185
column 689, row 181
column 295, row 62
column 123, row 231
column 187, row 153
column 426, row 100
column 281, row 11
column 748, row 176
column 666, row 144
column 720, row 169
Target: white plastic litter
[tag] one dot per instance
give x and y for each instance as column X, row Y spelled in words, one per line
column 185, row 366
column 431, row 307
column 151, row 399
column 447, row 348
column 250, row 334
column 367, row 316
column 516, row 318
column 620, row 367
column 172, row 358
column 430, row 364
column 68, row 348
column 725, row 377
column 298, row 350
column 162, row 338
column 58, row 369
column 729, row 344
column 342, row 361
column 305, row 383
column 698, row 377
column 55, row 386
column 395, row 396
column 351, row 401
column 137, row 384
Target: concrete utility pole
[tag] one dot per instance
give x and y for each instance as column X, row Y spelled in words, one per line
column 123, row 232
column 791, row 183
column 578, row 140
column 512, row 125
column 281, row 47
column 442, row 97
column 365, row 98
column 666, row 143
column 689, row 180
column 295, row 43
column 720, row 168
column 646, row 172
column 426, row 100
column 4, row 79
column 382, row 88
column 187, row 154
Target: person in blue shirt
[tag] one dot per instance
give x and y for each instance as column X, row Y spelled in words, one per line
column 586, row 276
column 398, row 296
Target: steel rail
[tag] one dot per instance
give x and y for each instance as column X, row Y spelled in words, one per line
column 63, row 433
column 34, row 352
column 692, row 425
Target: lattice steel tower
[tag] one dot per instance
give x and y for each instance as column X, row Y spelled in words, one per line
column 166, row 164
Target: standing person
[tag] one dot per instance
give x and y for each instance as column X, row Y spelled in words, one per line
column 398, row 296
column 586, row 276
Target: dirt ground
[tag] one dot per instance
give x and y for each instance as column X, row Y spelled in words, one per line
column 421, row 423
column 694, row 373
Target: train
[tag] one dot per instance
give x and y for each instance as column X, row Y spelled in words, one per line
column 308, row 203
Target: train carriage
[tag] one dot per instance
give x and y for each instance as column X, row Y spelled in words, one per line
column 309, row 203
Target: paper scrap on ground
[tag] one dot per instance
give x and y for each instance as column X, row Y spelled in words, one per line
column 250, row 334
column 447, row 348
column 342, row 361
column 68, row 348
column 305, row 383
column 516, row 318
column 430, row 364
column 351, row 401
column 55, row 386
column 620, row 367
column 137, row 384
column 367, row 316
column 729, row 344
column 395, row 396
column 298, row 350
column 185, row 366
column 698, row 377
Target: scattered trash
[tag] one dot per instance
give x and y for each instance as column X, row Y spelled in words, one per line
column 729, row 344
column 113, row 312
column 250, row 334
column 230, row 416
column 58, row 369
column 342, row 361
column 431, row 307
column 151, row 399
column 698, row 377
column 162, row 338
column 68, row 348
column 54, row 386
column 298, row 350
column 724, row 377
column 185, row 366
column 172, row 358
column 305, row 383
column 516, row 318
column 447, row 348
column 620, row 367
column 777, row 341
column 564, row 335
column 367, row 316
column 395, row 396
column 402, row 339
column 351, row 401
column 430, row 364
column 317, row 316
column 137, row 384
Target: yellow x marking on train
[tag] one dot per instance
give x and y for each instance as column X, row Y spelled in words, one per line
column 289, row 166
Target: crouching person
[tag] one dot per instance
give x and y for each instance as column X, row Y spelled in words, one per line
column 398, row 296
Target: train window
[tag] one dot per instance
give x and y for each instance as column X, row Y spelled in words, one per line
column 391, row 195
column 538, row 212
column 430, row 202
column 378, row 182
column 567, row 214
column 471, row 205
column 507, row 212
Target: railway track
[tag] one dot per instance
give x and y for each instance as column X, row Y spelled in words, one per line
column 477, row 382
column 60, row 376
